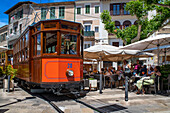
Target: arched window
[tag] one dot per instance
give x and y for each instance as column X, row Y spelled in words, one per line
column 126, row 23
column 136, row 22
column 117, row 24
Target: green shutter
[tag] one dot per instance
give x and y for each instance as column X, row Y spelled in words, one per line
column 78, row 10
column 96, row 9
column 61, row 12
column 21, row 16
column 52, row 13
column 43, row 13
column 87, row 9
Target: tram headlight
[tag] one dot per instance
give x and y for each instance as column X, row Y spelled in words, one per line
column 69, row 73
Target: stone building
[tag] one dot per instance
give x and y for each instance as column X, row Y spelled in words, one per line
column 3, row 35
column 26, row 13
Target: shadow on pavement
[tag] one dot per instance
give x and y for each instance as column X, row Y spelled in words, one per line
column 18, row 100
column 111, row 108
column 3, row 110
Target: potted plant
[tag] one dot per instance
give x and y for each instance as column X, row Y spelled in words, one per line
column 10, row 74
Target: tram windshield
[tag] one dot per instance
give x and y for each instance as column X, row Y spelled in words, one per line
column 50, row 42
column 68, row 44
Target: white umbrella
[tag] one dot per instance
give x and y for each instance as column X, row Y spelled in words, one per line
column 3, row 48
column 108, row 53
column 99, row 52
column 166, row 51
column 151, row 42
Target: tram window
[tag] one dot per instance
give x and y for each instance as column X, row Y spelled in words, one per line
column 20, row 44
column 22, row 55
column 38, row 28
column 50, row 42
column 23, row 38
column 68, row 44
column 26, row 38
column 34, row 43
column 38, row 44
column 26, row 53
column 18, row 57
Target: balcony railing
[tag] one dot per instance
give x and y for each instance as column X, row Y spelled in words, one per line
column 89, row 33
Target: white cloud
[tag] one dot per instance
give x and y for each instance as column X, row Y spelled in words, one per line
column 3, row 23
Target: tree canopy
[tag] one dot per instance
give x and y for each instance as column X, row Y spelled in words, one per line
column 138, row 8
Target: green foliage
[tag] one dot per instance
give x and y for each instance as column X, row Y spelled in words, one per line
column 1, row 72
column 10, row 71
column 137, row 8
column 165, row 70
column 165, row 2
column 140, row 10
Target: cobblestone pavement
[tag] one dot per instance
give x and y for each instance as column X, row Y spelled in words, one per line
column 20, row 101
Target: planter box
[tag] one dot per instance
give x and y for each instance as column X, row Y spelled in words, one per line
column 6, row 84
column 90, row 84
column 93, row 84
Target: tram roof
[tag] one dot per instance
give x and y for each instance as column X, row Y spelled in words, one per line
column 53, row 20
column 50, row 20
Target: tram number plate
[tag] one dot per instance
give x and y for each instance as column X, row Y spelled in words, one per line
column 69, row 65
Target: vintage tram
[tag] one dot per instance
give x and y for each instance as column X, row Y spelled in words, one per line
column 49, row 55
column 6, row 55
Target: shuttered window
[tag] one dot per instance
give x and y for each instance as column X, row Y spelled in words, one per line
column 96, row 9
column 79, row 10
column 61, row 12
column 87, row 9
column 52, row 13
column 118, row 9
column 43, row 13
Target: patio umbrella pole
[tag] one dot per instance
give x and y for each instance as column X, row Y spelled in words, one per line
column 165, row 56
column 158, row 52
column 100, row 77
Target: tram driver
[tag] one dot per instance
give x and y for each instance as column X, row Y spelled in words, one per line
column 72, row 48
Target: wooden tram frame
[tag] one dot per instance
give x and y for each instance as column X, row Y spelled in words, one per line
column 30, row 66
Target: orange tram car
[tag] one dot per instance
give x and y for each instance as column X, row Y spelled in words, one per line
column 49, row 55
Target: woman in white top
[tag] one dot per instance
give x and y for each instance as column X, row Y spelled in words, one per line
column 125, row 66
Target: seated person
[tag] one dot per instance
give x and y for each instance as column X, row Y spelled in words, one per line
column 149, row 80
column 72, row 50
column 105, row 70
column 112, row 70
column 150, row 72
column 143, row 71
column 107, row 77
column 62, row 49
column 95, row 71
column 120, row 73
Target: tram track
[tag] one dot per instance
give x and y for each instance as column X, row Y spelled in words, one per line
column 51, row 103
column 53, row 99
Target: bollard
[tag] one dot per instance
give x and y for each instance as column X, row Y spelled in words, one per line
column 126, row 87
column 9, row 77
column 100, row 84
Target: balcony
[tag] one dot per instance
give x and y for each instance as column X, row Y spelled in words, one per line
column 89, row 35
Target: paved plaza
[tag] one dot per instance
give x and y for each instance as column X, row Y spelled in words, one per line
column 112, row 100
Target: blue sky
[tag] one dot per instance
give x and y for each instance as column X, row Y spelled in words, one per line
column 6, row 4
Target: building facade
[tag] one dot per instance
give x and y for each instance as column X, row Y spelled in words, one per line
column 3, row 35
column 120, row 16
column 24, row 14
column 86, row 12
